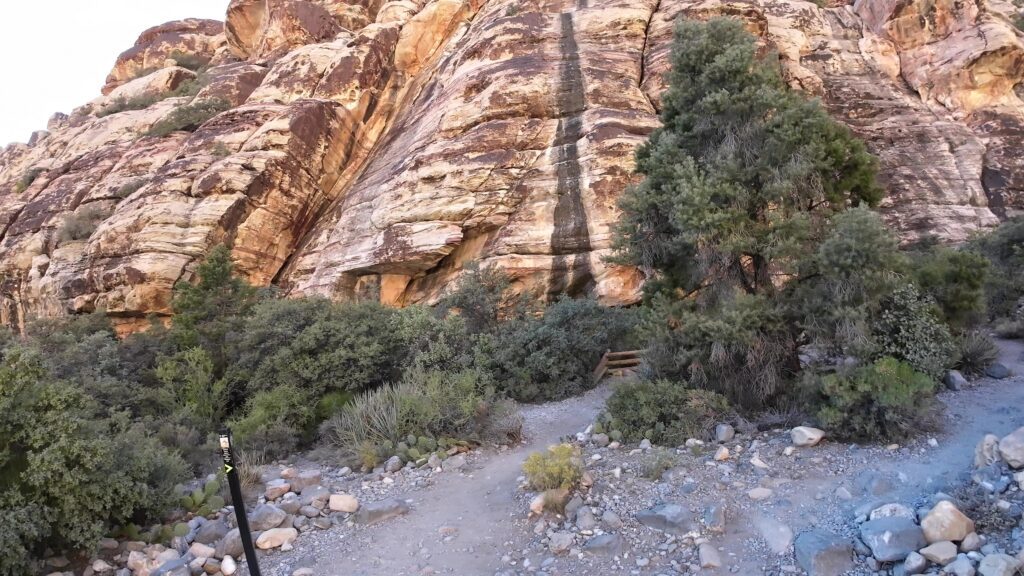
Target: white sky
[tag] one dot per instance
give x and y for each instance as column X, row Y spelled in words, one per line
column 56, row 54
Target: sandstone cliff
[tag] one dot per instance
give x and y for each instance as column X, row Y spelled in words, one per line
column 373, row 147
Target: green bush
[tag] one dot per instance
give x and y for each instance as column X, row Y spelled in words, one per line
column 553, row 356
column 886, row 400
column 908, row 329
column 481, row 298
column 27, row 179
column 70, row 473
column 665, row 412
column 559, row 467
column 977, row 352
column 189, row 117
column 80, row 225
column 956, row 280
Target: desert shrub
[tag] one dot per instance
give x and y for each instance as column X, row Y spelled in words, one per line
column 194, row 62
column 220, row 150
column 560, row 466
column 316, row 345
column 250, row 468
column 552, row 356
column 435, row 404
column 665, row 412
column 977, row 351
column 854, row 268
column 276, row 420
column 1010, row 328
column 1004, row 249
column 189, row 117
column 908, row 329
column 122, row 104
column 27, row 179
column 130, row 188
column 481, row 298
column 886, row 400
column 80, row 224
column 956, row 280
column 192, row 387
column 68, row 470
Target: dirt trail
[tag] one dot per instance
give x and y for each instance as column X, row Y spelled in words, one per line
column 480, row 505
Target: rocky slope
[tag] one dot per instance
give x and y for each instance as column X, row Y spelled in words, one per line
column 374, row 147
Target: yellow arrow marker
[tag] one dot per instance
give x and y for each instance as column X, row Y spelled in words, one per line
column 228, row 469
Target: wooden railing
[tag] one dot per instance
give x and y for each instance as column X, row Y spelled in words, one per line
column 616, row 362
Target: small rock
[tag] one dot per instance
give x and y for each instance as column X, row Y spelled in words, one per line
column 914, row 564
column 709, row 557
column 714, row 518
column 822, row 553
column 722, row 454
column 760, row 493
column 645, row 444
column 305, row 479
column 585, row 519
column 560, row 542
column 806, row 436
column 394, row 464
column 892, row 510
column 265, row 517
column 611, row 520
column 600, row 440
column 946, row 522
column 941, row 553
column 343, row 503
column 276, row 489
column 303, row 572
column 228, row 566
column 960, row 567
column 971, row 543
column 954, row 380
column 230, row 545
column 200, row 550
column 724, row 433
column 100, row 566
column 211, row 566
column 276, row 538
column 211, row 532
column 604, row 544
column 778, row 536
column 457, row 462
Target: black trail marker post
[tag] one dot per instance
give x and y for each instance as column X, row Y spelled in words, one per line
column 228, row 453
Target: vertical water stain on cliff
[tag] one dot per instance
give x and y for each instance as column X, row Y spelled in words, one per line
column 570, row 235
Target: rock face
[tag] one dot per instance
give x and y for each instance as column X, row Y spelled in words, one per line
column 374, row 148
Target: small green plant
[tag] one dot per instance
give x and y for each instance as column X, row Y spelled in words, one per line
column 881, row 401
column 977, row 352
column 220, row 150
column 189, row 117
column 130, row 188
column 558, row 467
column 81, row 224
column 512, row 10
column 27, row 179
column 1018, row 21
column 250, row 467
column 665, row 412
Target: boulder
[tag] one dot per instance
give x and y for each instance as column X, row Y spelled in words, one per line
column 946, row 522
column 724, row 433
column 276, row 538
column 276, row 489
column 997, row 370
column 670, row 518
column 986, row 453
column 305, row 479
column 954, row 380
column 806, row 436
column 230, row 545
column 822, row 553
column 343, row 503
column 381, row 511
column 1011, row 448
column 604, row 545
column 560, row 542
column 211, row 532
column 892, row 539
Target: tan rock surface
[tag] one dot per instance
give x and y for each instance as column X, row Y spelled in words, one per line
column 376, row 146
